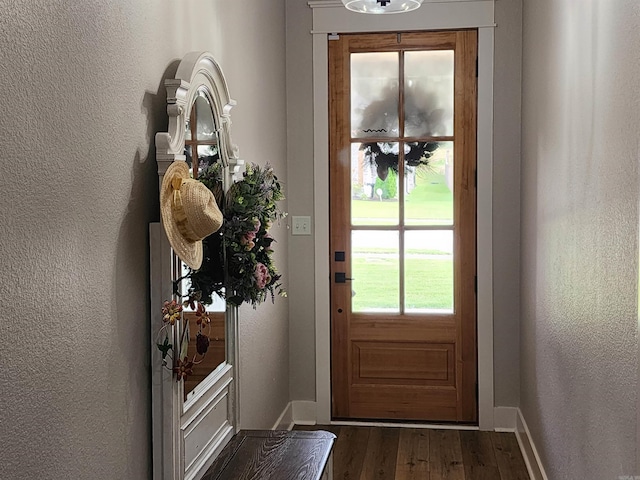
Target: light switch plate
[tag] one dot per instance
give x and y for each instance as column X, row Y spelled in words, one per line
column 300, row 225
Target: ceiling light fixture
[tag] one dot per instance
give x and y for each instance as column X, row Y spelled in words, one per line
column 382, row 6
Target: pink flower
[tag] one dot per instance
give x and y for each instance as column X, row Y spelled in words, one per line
column 256, row 224
column 262, row 276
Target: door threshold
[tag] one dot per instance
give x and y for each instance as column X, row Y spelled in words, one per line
column 431, row 426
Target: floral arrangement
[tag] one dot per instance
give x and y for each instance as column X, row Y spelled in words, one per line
column 384, row 155
column 250, row 208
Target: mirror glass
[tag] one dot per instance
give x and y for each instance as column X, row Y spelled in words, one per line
column 201, row 152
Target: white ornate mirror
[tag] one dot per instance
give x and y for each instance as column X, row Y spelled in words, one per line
column 193, row 419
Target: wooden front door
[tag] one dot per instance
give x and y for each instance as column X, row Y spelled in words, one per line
column 403, row 225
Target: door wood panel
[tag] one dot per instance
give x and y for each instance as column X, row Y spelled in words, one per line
column 403, row 363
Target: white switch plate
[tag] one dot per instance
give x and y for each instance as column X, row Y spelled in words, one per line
column 300, row 225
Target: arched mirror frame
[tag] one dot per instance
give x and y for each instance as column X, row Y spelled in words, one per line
column 187, row 436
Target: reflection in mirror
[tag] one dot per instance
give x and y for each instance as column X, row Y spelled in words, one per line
column 215, row 354
column 205, row 128
column 201, row 138
column 201, row 134
column 215, row 331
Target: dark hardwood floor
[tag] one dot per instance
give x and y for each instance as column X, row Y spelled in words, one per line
column 375, row 453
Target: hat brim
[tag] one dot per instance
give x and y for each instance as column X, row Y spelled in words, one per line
column 190, row 252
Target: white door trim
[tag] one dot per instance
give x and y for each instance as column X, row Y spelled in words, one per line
column 321, row 227
column 485, row 228
column 484, row 190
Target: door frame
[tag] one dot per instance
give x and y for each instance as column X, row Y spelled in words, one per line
column 329, row 17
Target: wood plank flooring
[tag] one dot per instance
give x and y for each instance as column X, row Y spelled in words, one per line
column 381, row 453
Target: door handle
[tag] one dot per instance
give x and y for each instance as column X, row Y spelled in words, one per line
column 341, row 277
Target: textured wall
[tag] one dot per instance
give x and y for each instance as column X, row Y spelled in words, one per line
column 580, row 234
column 82, row 95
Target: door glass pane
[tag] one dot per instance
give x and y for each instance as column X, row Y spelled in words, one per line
column 428, row 104
column 428, row 274
column 207, row 156
column 374, row 94
column 428, row 184
column 374, row 183
column 375, row 268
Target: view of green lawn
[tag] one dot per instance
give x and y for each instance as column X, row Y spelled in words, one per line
column 428, row 265
column 377, row 278
column 430, row 202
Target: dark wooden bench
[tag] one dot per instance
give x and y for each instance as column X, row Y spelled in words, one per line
column 273, row 455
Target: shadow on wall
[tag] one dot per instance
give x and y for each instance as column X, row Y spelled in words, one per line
column 132, row 308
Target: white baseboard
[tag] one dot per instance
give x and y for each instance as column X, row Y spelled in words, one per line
column 298, row 412
column 504, row 419
column 304, row 412
column 285, row 421
column 528, row 449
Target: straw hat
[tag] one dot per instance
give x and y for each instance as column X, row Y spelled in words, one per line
column 189, row 213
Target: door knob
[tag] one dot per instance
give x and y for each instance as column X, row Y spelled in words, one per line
column 341, row 277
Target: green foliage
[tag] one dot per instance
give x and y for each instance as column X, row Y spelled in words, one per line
column 389, row 186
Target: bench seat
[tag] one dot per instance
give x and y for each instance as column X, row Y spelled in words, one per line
column 273, row 455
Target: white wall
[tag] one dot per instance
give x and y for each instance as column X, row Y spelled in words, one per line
column 580, row 234
column 82, row 96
